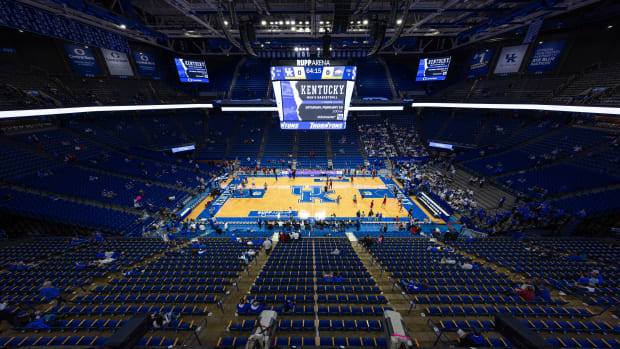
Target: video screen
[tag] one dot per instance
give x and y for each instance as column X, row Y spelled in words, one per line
column 313, row 98
column 191, row 70
column 433, row 69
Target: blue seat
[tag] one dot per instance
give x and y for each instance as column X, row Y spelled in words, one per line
column 349, row 325
column 362, row 325
column 354, row 342
column 326, row 342
column 297, row 325
column 368, row 342
column 340, row 342
column 285, row 325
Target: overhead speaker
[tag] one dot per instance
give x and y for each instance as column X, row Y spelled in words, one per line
column 251, row 33
column 327, row 42
column 377, row 33
column 246, row 30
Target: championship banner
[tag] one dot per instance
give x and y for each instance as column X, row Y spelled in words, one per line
column 546, row 56
column 510, row 59
column 479, row 64
column 145, row 63
column 117, row 62
column 83, row 60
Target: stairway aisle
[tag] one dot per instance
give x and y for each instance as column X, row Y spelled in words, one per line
column 219, row 321
column 416, row 322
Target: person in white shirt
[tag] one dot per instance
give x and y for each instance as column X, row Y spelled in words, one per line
column 295, row 235
column 467, row 266
column 267, row 245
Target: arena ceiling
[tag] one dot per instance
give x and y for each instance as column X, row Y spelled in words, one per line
column 215, row 26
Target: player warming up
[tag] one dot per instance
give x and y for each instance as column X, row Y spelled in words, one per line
column 384, row 201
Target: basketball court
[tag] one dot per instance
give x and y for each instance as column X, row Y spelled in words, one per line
column 306, row 198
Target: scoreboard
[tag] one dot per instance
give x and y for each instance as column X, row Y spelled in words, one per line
column 431, row 69
column 191, row 70
column 313, row 98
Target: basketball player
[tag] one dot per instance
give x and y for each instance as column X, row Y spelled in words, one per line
column 384, row 201
column 354, row 199
column 351, row 180
column 372, row 203
column 331, row 184
column 400, row 204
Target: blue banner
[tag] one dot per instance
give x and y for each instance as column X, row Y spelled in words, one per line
column 83, row 60
column 375, row 193
column 145, row 63
column 24, row 17
column 532, row 31
column 314, row 73
column 283, row 214
column 479, row 64
column 546, row 56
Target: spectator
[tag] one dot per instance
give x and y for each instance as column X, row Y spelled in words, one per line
column 256, row 307
column 471, row 339
column 468, row 266
column 243, row 306
column 288, row 306
column 338, row 278
column 527, row 294
column 446, row 260
column 51, row 293
column 417, row 287
column 335, row 252
column 267, row 245
column 595, row 277
column 327, row 277
column 38, row 322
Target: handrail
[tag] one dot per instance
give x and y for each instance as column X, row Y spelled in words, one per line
column 412, row 304
column 196, row 333
column 446, row 341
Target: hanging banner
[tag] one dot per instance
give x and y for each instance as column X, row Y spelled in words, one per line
column 479, row 64
column 510, row 59
column 83, row 60
column 117, row 62
column 546, row 56
column 532, row 31
column 145, row 63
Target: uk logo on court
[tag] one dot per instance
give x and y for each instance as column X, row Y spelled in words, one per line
column 314, row 192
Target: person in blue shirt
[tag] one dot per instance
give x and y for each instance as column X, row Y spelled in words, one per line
column 98, row 237
column 416, row 287
column 471, row 339
column 327, row 277
column 288, row 306
column 243, row 306
column 595, row 277
column 38, row 322
column 100, row 254
column 79, row 266
column 256, row 307
column 50, row 293
column 338, row 278
column 543, row 293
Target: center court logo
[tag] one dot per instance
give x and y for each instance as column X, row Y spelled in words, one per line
column 314, row 192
